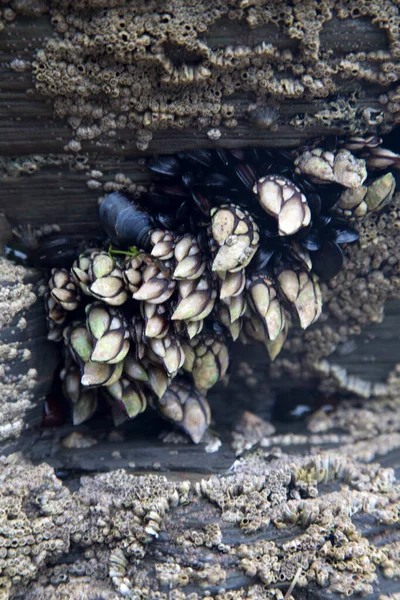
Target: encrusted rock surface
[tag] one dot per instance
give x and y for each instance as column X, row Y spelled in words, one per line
column 135, row 70
column 17, row 386
column 318, row 517
column 353, row 299
column 159, row 67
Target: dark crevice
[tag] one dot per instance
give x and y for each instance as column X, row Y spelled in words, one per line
column 180, row 56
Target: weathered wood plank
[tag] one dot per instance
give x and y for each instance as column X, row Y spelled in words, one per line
column 28, row 126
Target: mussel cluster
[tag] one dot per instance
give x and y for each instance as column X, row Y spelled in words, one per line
column 227, row 245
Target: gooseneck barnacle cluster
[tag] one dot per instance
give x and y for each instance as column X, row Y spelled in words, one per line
column 227, row 245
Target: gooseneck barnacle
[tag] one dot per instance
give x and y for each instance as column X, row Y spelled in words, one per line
column 227, row 245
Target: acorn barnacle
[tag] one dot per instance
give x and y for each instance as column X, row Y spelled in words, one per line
column 227, row 245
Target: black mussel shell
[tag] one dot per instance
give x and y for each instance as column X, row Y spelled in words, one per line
column 267, row 168
column 324, row 220
column 201, row 202
column 166, row 221
column 268, row 226
column 296, row 258
column 216, row 184
column 203, row 240
column 216, row 180
column 285, row 156
column 302, row 233
column 238, row 154
column 341, row 233
column 312, row 240
column 56, row 251
column 327, row 261
column 189, row 178
column 154, row 201
column 330, row 143
column 197, row 223
column 260, row 260
column 165, row 165
column 315, row 203
column 246, row 174
column 287, row 171
column 330, row 195
column 306, row 186
column 125, row 222
column 173, row 191
column 197, row 157
column 184, row 210
column 255, row 156
column 223, row 157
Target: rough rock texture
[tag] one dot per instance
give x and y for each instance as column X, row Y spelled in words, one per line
column 225, row 69
column 17, row 384
column 318, row 517
column 149, row 66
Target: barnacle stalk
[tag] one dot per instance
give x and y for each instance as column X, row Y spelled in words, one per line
column 236, row 251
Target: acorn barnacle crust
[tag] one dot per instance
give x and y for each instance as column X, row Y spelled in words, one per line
column 226, row 245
